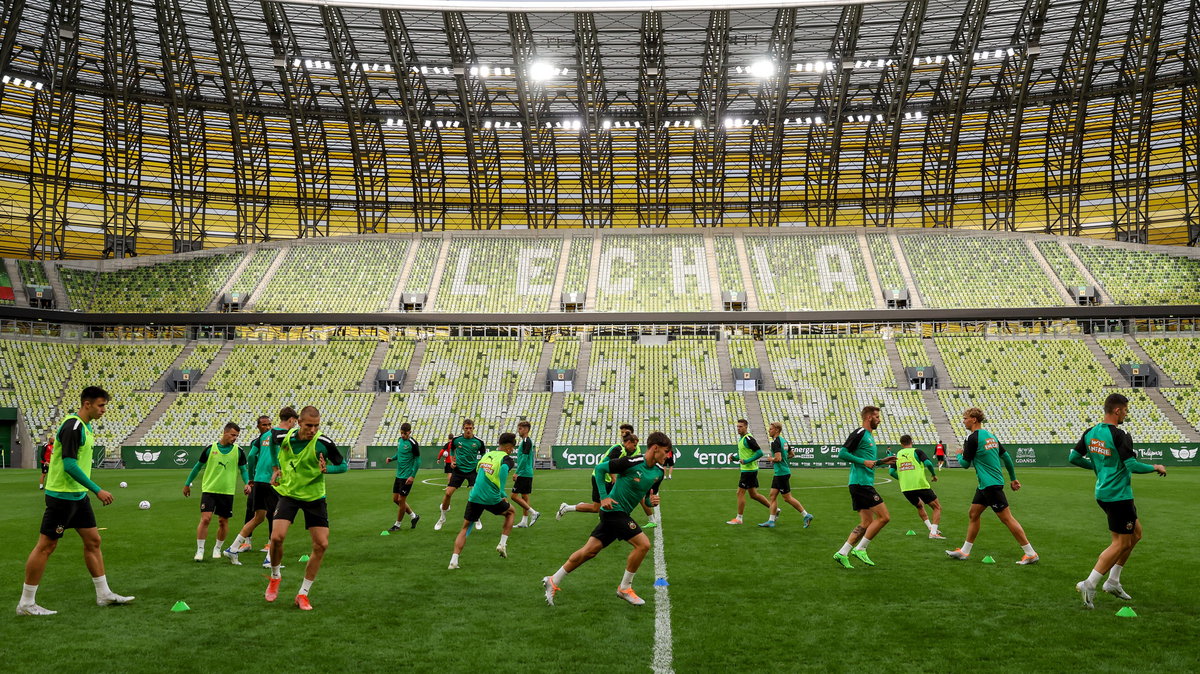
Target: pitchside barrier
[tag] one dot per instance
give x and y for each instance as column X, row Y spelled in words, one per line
column 697, row 456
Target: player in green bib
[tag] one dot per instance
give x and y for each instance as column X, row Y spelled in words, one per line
column 68, row 482
column 909, row 471
column 861, row 452
column 1108, row 451
column 635, row 478
column 488, row 494
column 262, row 492
column 600, row 487
column 983, row 450
column 408, row 462
column 223, row 463
column 262, row 425
column 748, row 454
column 302, row 457
column 522, row 489
column 465, row 451
column 781, row 481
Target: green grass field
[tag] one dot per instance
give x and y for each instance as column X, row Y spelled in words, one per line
column 741, row 598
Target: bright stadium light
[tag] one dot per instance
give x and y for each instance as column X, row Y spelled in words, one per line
column 540, row 71
column 762, row 68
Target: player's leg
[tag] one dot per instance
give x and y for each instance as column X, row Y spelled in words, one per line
column 521, row 500
column 641, row 546
column 973, row 516
column 222, row 532
column 279, row 532
column 741, row 506
column 35, row 567
column 791, row 500
column 320, row 543
column 93, row 558
column 451, row 486
column 879, row 518
column 582, row 507
column 761, row 499
column 202, row 534
column 842, row 556
column 1129, row 541
column 1028, row 556
column 772, row 508
column 935, row 519
column 510, row 516
column 460, row 541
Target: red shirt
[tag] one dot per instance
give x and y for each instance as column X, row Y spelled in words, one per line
column 48, row 451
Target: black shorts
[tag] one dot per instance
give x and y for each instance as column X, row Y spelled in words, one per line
column 670, row 460
column 596, row 496
column 316, row 513
column 45, row 468
column 250, row 503
column 523, row 485
column 992, row 497
column 783, row 483
column 447, row 469
column 1122, row 515
column 919, row 496
column 220, row 505
column 457, row 477
column 265, row 497
column 748, row 479
column 402, row 486
column 475, row 510
column 62, row 514
column 615, row 526
column 864, row 497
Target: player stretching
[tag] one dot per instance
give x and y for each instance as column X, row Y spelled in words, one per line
column 909, row 471
column 465, row 452
column 599, row 489
column 408, row 461
column 985, row 452
column 67, row 505
column 748, row 455
column 223, row 463
column 262, row 492
column 523, row 486
column 262, row 425
column 781, row 482
column 635, row 477
column 488, row 494
column 302, row 458
column 860, row 451
column 1108, row 451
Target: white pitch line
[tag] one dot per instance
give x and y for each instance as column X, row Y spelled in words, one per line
column 663, row 653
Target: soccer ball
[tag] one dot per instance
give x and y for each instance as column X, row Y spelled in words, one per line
column 144, row 505
column 124, row 484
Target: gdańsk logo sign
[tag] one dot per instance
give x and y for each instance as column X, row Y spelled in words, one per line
column 147, row 456
column 1184, row 453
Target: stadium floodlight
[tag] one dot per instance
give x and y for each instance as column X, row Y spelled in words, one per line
column 698, row 123
column 1011, row 51
column 540, row 71
column 818, row 120
column 763, row 68
column 487, row 123
column 295, row 63
column 607, row 124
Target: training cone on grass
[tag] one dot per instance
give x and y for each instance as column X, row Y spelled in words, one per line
column 989, row 560
column 661, row 582
column 910, row 532
column 180, row 606
column 304, row 558
column 1127, row 612
column 384, row 533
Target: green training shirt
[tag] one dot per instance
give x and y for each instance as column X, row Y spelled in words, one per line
column 633, row 483
column 262, row 466
column 300, row 475
column 779, row 446
column 221, row 469
column 525, row 457
column 858, row 448
column 983, row 451
column 1108, row 451
column 748, row 453
column 467, row 452
column 494, row 467
column 407, row 458
column 69, row 475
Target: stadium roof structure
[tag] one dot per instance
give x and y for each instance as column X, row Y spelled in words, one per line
column 159, row 126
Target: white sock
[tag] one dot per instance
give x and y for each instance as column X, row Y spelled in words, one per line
column 738, row 517
column 444, row 511
column 397, row 523
column 772, row 516
column 305, row 586
column 966, row 547
column 1028, row 548
column 454, row 559
column 1094, row 577
column 200, row 543
column 626, row 580
column 503, row 539
column 559, row 575
column 533, row 513
column 28, row 594
column 930, row 525
column 275, row 573
column 219, row 546
column 1114, row 574
column 524, row 520
column 803, row 512
column 101, row 583
column 845, row 549
column 863, row 543
column 569, row 509
column 237, row 542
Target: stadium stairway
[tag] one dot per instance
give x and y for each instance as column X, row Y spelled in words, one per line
column 217, row 362
column 214, row 304
column 60, row 290
column 897, row 364
column 1188, row 431
column 266, row 278
column 584, row 363
column 550, row 432
column 560, row 273
column 439, row 269
column 371, row 425
column 135, row 438
column 405, row 273
column 1104, row 296
column 18, row 286
column 543, row 364
column 941, row 421
column 754, row 413
column 914, row 295
column 935, row 359
column 739, row 244
column 376, row 362
column 872, row 276
column 724, row 365
column 161, row 383
column 1101, row 357
column 1049, row 272
column 764, row 364
column 414, row 366
column 1164, row 380
column 714, row 278
column 589, row 302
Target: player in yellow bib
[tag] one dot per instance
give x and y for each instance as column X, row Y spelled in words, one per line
column 67, row 506
column 223, row 462
column 302, row 458
column 909, row 471
column 488, row 494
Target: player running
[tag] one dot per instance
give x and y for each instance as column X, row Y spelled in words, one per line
column 408, row 462
column 748, row 455
column 939, row 452
column 488, row 494
column 443, row 457
column 465, row 453
column 635, row 477
column 302, row 459
column 1108, row 451
column 909, row 471
column 44, row 459
column 599, row 489
column 985, row 452
column 67, row 505
column 523, row 486
column 669, row 462
column 262, row 425
column 262, row 492
column 860, row 451
column 781, row 481
column 223, row 463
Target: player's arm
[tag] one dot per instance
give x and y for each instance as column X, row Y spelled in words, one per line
column 244, row 469
column 758, row 453
column 396, row 456
column 71, row 440
column 334, row 461
column 1079, row 455
column 924, row 459
column 846, row 453
column 615, row 466
column 187, row 485
column 970, row 447
column 416, row 461
column 1007, row 460
column 1125, row 452
column 506, row 467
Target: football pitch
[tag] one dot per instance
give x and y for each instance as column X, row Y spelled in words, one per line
column 740, row 597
